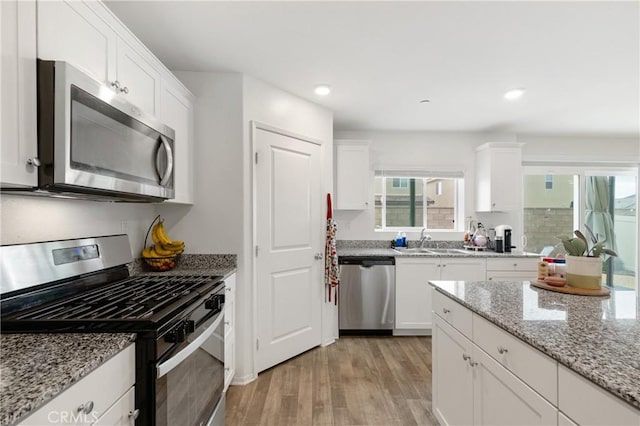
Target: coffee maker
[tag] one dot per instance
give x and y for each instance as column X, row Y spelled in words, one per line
column 503, row 239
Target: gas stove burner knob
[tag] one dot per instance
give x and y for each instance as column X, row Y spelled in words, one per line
column 190, row 326
column 214, row 302
column 178, row 334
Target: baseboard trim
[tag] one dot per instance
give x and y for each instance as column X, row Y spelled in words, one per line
column 243, row 380
column 413, row 332
column 331, row 342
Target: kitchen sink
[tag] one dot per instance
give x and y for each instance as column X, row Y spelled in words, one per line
column 446, row 251
column 431, row 250
column 413, row 250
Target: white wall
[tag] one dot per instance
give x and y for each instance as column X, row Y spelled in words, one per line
column 452, row 151
column 580, row 148
column 269, row 105
column 26, row 219
column 220, row 221
column 214, row 223
column 457, row 150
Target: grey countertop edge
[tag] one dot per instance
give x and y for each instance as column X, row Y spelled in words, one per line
column 347, row 252
column 568, row 362
column 16, row 406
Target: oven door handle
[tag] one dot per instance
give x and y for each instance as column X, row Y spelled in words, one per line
column 173, row 362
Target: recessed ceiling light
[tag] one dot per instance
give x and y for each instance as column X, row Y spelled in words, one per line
column 322, row 90
column 514, row 94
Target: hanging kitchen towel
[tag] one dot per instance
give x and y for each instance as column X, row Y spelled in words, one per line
column 331, row 269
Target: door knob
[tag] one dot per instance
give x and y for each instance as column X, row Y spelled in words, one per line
column 34, row 162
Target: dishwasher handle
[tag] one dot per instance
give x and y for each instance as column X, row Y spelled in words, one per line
column 367, row 262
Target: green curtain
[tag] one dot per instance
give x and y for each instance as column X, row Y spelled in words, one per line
column 598, row 217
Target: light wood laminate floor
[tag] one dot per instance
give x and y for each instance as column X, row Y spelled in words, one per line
column 356, row 381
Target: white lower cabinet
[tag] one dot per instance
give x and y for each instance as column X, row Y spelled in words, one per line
column 500, row 398
column 564, row 420
column 587, row 404
column 229, row 330
column 512, row 269
column 470, row 387
column 452, row 375
column 121, row 413
column 413, row 296
column 106, row 396
column 482, row 375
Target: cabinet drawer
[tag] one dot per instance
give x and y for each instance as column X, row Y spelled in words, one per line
column 588, row 404
column 104, row 386
column 453, row 312
column 511, row 276
column 529, row 364
column 121, row 413
column 513, row 264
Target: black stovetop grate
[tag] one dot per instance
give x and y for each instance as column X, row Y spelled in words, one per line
column 132, row 298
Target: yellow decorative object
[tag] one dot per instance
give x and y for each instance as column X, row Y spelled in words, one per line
column 163, row 254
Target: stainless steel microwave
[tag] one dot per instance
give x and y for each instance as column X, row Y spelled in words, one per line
column 94, row 143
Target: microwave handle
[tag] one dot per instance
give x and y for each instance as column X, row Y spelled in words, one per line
column 164, row 177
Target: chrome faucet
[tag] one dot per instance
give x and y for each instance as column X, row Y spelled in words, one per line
column 424, row 237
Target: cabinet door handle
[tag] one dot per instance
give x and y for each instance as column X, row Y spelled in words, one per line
column 502, row 350
column 115, row 84
column 227, row 322
column 124, row 90
column 445, row 310
column 466, row 357
column 86, row 408
column 472, row 363
column 134, row 414
column 515, row 265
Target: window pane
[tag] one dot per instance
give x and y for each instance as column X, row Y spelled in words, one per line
column 441, row 199
column 548, row 212
column 404, row 204
column 610, row 203
column 415, row 202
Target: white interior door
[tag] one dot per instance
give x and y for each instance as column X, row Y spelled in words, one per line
column 289, row 234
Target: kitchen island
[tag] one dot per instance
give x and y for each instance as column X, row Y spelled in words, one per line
column 580, row 360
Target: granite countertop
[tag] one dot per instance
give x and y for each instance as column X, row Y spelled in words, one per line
column 346, row 252
column 193, row 264
column 597, row 337
column 34, row 368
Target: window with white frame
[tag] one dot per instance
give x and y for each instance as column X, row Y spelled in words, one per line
column 412, row 200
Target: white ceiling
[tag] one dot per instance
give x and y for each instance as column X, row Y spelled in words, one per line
column 579, row 61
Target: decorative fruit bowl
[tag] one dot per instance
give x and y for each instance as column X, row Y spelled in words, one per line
column 164, row 253
column 162, row 263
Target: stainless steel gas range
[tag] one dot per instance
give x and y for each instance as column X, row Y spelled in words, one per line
column 83, row 285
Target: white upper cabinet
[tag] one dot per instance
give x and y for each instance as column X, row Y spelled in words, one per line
column 71, row 31
column 177, row 113
column 353, row 175
column 90, row 37
column 138, row 79
column 18, row 93
column 499, row 177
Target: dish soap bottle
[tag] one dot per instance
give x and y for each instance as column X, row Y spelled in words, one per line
column 404, row 239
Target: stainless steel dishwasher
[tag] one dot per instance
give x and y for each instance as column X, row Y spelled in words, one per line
column 367, row 297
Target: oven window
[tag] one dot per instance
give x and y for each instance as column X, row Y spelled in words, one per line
column 189, row 393
column 106, row 141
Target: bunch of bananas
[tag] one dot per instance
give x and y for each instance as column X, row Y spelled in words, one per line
column 161, row 255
